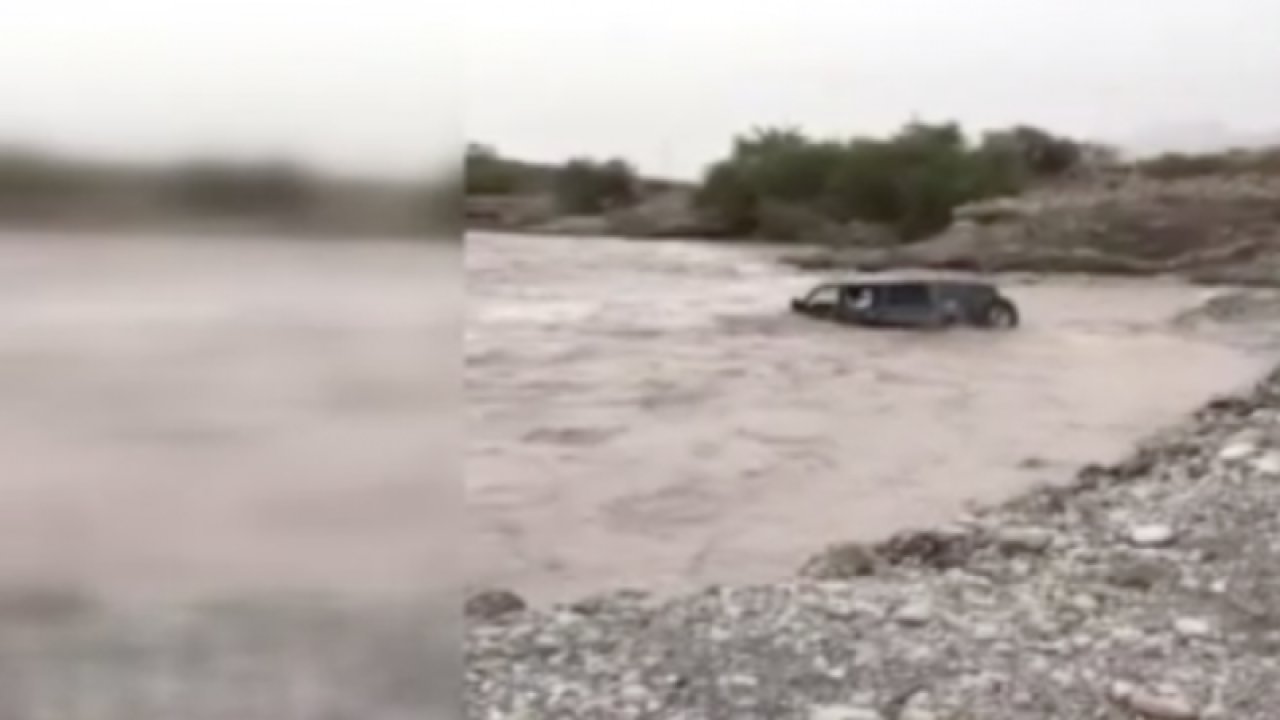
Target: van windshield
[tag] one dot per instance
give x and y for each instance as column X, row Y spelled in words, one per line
column 824, row 295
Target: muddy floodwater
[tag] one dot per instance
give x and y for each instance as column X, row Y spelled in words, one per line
column 649, row 415
column 226, row 416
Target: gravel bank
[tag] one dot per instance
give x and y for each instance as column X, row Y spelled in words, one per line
column 1146, row 589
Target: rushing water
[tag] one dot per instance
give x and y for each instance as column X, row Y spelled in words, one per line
column 650, row 415
column 226, row 415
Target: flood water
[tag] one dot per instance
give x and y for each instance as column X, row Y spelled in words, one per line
column 650, row 415
column 226, row 416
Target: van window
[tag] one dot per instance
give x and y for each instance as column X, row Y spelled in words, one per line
column 860, row 298
column 825, row 295
column 906, row 295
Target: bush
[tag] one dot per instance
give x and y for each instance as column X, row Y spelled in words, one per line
column 911, row 181
column 1040, row 153
column 587, row 187
column 487, row 173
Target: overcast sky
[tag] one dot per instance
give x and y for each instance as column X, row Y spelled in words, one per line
column 357, row 85
column 375, row 85
column 668, row 83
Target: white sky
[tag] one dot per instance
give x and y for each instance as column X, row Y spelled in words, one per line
column 668, row 83
column 363, row 86
column 374, row 86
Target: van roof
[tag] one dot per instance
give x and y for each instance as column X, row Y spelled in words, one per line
column 900, row 281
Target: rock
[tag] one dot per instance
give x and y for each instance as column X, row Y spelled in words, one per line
column 985, row 631
column 1121, row 691
column 844, row 608
column 636, row 694
column 1084, row 603
column 844, row 712
column 1024, row 540
column 493, row 604
column 1268, row 463
column 1139, row 573
column 914, row 614
column 842, row 562
column 741, row 681
column 937, row 549
column 1161, row 706
column 1153, row 535
column 1189, row 627
column 1236, row 451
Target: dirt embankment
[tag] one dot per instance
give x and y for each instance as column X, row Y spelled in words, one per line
column 669, row 213
column 1218, row 229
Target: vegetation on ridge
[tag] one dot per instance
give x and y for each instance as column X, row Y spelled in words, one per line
column 909, row 182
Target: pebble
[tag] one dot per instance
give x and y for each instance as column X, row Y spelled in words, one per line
column 1189, row 627
column 493, row 604
column 1161, row 706
column 1154, row 535
column 1121, row 690
column 1084, row 603
column 1236, row 451
column 1026, row 540
column 636, row 694
column 985, row 631
column 1268, row 464
column 844, row 712
column 741, row 682
column 914, row 614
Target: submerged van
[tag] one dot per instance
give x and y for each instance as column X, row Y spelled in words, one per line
column 910, row 304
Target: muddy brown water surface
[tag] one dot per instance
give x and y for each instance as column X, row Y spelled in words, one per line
column 651, row 416
column 227, row 416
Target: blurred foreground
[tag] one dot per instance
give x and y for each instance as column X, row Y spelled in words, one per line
column 229, row 475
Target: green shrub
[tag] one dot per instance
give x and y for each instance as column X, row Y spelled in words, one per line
column 488, row 173
column 587, row 187
column 910, row 181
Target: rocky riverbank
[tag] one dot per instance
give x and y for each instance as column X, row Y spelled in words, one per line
column 1148, row 589
column 669, row 213
column 1220, row 229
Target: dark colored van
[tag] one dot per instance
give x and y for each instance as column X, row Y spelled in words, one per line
column 910, row 304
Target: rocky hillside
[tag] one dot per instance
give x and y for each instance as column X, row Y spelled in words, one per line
column 1213, row 228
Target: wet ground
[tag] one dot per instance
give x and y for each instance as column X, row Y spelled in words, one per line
column 649, row 415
